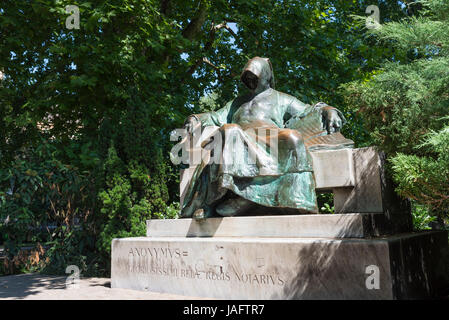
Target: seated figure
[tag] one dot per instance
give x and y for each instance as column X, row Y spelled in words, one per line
column 273, row 129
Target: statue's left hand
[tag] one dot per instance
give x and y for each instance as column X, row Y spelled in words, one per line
column 333, row 120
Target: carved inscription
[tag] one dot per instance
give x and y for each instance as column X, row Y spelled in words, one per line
column 170, row 262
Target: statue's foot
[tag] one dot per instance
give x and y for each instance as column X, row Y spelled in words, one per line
column 198, row 214
column 202, row 213
column 233, row 207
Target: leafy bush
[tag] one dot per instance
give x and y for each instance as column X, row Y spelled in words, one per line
column 76, row 212
column 325, row 203
column 421, row 217
column 425, row 179
column 132, row 179
column 76, row 247
column 403, row 104
column 41, row 199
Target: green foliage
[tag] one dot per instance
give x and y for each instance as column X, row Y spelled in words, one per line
column 76, row 247
column 424, row 178
column 421, row 217
column 41, row 199
column 403, row 104
column 132, row 178
column 107, row 86
column 208, row 102
column 326, row 203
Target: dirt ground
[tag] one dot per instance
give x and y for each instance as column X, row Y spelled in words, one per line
column 43, row 287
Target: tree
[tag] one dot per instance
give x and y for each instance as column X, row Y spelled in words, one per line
column 406, row 103
column 169, row 53
column 424, row 178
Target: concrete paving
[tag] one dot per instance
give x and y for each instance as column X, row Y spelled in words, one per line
column 43, row 287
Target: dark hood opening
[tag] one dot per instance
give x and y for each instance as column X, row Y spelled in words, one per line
column 257, row 69
column 250, row 79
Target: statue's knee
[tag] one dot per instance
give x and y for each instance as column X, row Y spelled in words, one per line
column 290, row 136
column 229, row 126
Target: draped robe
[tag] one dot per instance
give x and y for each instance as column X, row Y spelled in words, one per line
column 280, row 178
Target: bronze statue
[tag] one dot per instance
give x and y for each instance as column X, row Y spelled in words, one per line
column 279, row 180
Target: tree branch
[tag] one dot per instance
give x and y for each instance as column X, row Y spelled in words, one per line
column 225, row 26
column 194, row 27
column 205, row 60
column 213, row 30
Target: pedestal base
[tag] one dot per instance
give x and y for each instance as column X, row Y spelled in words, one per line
column 393, row 267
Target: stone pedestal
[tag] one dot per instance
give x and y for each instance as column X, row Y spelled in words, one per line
column 364, row 251
column 279, row 257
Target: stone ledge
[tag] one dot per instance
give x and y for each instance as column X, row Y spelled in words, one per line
column 349, row 225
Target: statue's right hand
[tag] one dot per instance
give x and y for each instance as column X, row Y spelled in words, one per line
column 190, row 123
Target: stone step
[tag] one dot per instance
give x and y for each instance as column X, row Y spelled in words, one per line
column 349, row 225
column 392, row 267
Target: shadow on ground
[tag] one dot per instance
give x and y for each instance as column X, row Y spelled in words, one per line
column 22, row 286
column 36, row 286
column 27, row 285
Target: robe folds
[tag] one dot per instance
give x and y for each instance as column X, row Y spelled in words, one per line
column 252, row 168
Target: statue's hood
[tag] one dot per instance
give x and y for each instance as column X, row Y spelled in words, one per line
column 260, row 67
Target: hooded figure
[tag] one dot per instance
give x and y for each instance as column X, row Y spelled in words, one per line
column 255, row 69
column 264, row 128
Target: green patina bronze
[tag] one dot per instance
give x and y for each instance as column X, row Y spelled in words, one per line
column 278, row 131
